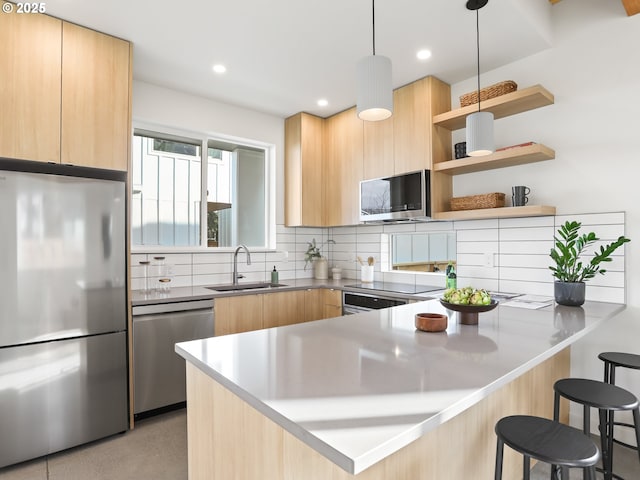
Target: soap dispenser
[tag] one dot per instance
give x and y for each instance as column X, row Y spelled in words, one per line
column 274, row 276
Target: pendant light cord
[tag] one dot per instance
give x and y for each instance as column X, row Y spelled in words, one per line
column 373, row 22
column 478, row 51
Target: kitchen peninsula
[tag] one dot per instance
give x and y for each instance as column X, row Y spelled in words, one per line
column 367, row 396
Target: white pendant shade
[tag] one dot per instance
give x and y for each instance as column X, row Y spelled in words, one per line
column 375, row 94
column 480, row 134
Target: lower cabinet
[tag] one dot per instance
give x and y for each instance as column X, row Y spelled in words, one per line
column 282, row 308
column 332, row 302
column 253, row 312
column 237, row 314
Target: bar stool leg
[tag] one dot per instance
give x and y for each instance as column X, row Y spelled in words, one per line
column 636, row 422
column 606, row 442
column 499, row 453
column 526, row 467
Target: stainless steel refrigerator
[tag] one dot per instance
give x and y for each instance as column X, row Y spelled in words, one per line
column 63, row 310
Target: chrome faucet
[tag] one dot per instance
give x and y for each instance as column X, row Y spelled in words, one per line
column 235, row 263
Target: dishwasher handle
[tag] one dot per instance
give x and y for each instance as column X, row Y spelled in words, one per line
column 172, row 307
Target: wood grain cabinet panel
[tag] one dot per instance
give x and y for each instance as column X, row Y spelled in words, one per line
column 332, row 302
column 237, row 314
column 95, row 99
column 344, row 134
column 378, row 149
column 303, row 171
column 30, row 69
column 283, row 308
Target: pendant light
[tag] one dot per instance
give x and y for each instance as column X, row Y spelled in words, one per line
column 479, row 124
column 375, row 93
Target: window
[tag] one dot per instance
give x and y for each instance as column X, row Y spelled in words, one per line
column 171, row 202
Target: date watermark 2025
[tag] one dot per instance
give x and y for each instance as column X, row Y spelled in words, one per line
column 20, row 7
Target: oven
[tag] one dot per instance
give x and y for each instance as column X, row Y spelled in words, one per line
column 355, row 302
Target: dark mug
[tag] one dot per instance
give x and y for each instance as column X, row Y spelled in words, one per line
column 519, row 200
column 520, row 191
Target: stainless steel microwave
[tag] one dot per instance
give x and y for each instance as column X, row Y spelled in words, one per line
column 399, row 197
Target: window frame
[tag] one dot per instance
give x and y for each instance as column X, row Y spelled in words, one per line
column 205, row 138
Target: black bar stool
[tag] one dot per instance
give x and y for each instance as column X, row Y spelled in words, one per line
column 606, row 398
column 611, row 361
column 550, row 442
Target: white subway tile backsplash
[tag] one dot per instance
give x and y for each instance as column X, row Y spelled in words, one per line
column 476, row 224
column 595, row 219
column 484, row 235
column 399, row 228
column 526, row 234
column 526, row 222
column 524, row 260
column 526, row 274
column 526, row 248
column 518, row 248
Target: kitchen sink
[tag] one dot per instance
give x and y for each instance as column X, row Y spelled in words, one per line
column 244, row 286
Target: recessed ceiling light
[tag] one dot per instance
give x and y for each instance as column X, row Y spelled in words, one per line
column 219, row 68
column 423, row 54
column 322, row 102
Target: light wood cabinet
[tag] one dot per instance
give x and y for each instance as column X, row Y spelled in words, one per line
column 245, row 313
column 332, row 302
column 30, row 73
column 313, row 304
column 66, row 93
column 96, row 71
column 237, row 314
column 344, row 133
column 283, row 308
column 303, row 171
column 378, row 149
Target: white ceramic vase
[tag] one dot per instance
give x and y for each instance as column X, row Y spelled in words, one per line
column 321, row 268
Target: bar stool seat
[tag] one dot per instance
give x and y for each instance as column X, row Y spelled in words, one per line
column 606, row 398
column 547, row 441
column 618, row 359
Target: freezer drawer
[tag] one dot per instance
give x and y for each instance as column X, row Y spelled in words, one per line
column 57, row 395
column 159, row 377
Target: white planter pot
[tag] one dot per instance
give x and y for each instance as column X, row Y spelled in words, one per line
column 321, row 268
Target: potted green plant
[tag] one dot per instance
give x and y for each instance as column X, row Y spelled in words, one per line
column 313, row 255
column 570, row 270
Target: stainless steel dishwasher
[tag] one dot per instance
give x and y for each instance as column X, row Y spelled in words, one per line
column 159, row 378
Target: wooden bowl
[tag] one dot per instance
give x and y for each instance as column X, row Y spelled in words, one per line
column 431, row 322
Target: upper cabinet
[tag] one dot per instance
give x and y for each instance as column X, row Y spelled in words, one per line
column 353, row 150
column 343, row 163
column 406, row 141
column 303, row 171
column 30, row 71
column 502, row 106
column 96, row 70
column 66, row 93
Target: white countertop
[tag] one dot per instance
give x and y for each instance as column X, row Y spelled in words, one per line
column 360, row 387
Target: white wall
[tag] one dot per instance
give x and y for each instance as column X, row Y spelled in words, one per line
column 593, row 70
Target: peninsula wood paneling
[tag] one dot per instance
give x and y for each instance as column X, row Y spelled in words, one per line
column 228, row 438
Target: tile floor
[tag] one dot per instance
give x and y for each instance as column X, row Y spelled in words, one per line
column 156, row 450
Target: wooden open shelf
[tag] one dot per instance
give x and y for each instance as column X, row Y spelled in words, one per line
column 504, row 158
column 502, row 212
column 509, row 104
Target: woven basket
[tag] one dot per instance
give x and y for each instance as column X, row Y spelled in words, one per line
column 472, row 202
column 486, row 93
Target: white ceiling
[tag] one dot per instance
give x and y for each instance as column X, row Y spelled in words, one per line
column 283, row 55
